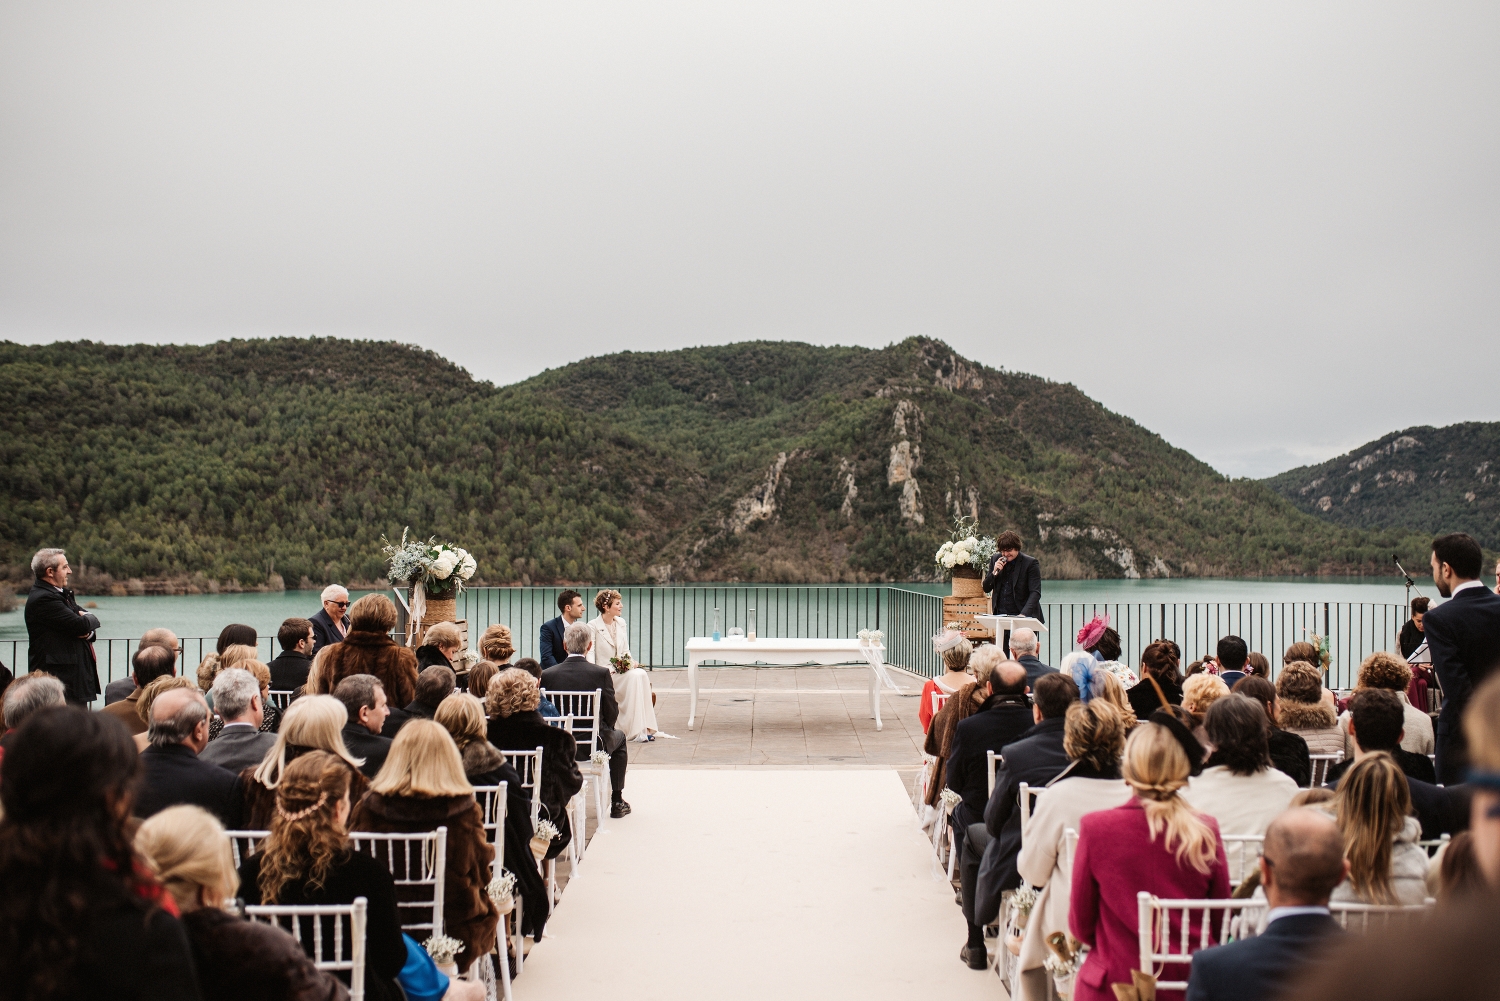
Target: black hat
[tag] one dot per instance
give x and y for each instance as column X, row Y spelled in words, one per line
column 1184, row 733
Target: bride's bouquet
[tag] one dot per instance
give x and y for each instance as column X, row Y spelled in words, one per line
column 622, row 663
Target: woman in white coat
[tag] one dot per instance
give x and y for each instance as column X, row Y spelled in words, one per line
column 632, row 685
column 1094, row 740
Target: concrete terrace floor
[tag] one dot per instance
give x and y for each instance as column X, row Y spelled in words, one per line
column 816, row 717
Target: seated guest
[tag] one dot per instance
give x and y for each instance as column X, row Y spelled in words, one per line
column 1459, row 877
column 515, row 725
column 1301, row 863
column 1302, row 652
column 364, row 701
column 1288, row 751
column 237, row 634
column 421, row 788
column 576, row 674
column 1093, row 739
column 1105, row 684
column 172, row 772
column 120, row 689
column 987, row 866
column 533, row 668
column 441, row 645
column 307, row 859
column 289, row 669
column 959, row 707
column 240, row 744
column 80, row 918
column 28, row 694
column 1376, row 721
column 236, row 960
column 1024, row 647
column 369, row 649
column 148, row 664
column 479, row 679
column 955, row 651
column 1238, row 786
column 484, row 765
column 1155, row 843
column 165, row 683
column 1158, row 663
column 1003, row 718
column 496, row 646
column 270, row 718
column 313, row 723
column 1388, row 672
column 1233, row 654
column 1256, row 666
column 331, row 622
column 434, row 684
column 1412, row 636
column 1301, row 710
column 1372, row 807
column 1201, row 691
column 551, row 646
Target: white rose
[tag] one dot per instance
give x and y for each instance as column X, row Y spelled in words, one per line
column 444, row 564
column 964, row 544
column 467, row 567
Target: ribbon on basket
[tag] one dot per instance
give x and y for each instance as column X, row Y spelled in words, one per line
column 417, row 611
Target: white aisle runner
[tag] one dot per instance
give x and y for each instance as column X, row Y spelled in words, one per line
column 759, row 884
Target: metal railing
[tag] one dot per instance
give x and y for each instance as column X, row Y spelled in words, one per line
column 662, row 619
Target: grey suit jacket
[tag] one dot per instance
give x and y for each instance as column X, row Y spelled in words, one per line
column 237, row 747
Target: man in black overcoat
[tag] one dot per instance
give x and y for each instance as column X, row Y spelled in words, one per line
column 1463, row 634
column 62, row 634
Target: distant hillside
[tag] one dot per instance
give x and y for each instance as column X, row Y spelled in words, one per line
column 1429, row 479
column 759, row 461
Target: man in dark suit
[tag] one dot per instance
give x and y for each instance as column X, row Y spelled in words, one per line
column 120, row 689
column 1303, row 861
column 552, row 651
column 1023, row 647
column 148, row 664
column 331, row 623
column 1376, row 721
column 237, row 701
column 577, row 674
column 297, row 642
column 1013, row 581
column 363, row 697
column 434, row 684
column 1463, row 635
column 988, row 864
column 172, row 772
column 62, row 634
column 1004, row 717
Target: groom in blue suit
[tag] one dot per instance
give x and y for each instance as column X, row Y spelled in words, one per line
column 570, row 604
column 1303, row 861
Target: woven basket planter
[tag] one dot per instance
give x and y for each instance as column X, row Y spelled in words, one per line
column 967, row 583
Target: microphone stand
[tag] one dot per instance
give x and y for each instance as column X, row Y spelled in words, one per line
column 1410, row 584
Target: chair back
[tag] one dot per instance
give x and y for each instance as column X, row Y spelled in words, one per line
column 491, row 800
column 528, row 765
column 1320, row 765
column 417, row 863
column 990, row 759
column 244, row 843
column 280, row 699
column 939, row 699
column 1242, row 852
column 1432, row 845
column 578, row 713
column 1028, row 796
column 319, row 929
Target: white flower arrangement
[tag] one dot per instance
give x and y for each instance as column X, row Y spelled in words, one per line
column 871, row 636
column 966, row 548
column 541, row 841
column 502, row 890
column 1024, row 899
column 599, row 758
column 443, row 949
column 442, row 569
column 951, row 798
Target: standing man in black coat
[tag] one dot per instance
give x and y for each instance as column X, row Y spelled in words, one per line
column 578, row 674
column 62, row 634
column 1013, row 581
column 1303, row 861
column 1463, row 635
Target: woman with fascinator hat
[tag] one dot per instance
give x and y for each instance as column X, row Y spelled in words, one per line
column 954, row 648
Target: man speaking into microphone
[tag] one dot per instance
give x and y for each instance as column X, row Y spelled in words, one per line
column 1013, row 581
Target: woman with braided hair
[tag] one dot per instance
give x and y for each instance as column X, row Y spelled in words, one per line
column 1157, row 843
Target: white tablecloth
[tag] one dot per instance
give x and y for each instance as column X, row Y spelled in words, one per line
column 787, row 653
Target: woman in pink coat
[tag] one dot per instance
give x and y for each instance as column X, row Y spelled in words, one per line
column 1156, row 843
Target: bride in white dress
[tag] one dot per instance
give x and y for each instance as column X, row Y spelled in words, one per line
column 633, row 686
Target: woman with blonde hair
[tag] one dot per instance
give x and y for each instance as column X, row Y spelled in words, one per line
column 1154, row 843
column 496, row 646
column 1093, row 739
column 420, row 788
column 955, row 650
column 1201, row 691
column 1386, row 670
column 1372, row 808
column 611, row 651
column 960, row 706
column 312, row 723
column 235, row 959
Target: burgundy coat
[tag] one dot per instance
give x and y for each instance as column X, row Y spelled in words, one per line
column 1117, row 859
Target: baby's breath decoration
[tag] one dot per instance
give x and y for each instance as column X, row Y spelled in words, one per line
column 443, row 949
column 546, row 833
column 502, row 890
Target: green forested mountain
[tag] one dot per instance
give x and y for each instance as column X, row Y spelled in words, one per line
column 1430, row 479
column 757, row 461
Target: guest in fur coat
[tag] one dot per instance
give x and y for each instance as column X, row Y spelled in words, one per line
column 1301, row 709
column 368, row 649
column 515, row 725
column 420, row 788
column 463, row 717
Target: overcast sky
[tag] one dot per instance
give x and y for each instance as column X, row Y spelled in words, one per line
column 1268, row 231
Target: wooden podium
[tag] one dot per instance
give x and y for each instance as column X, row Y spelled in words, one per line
column 964, row 611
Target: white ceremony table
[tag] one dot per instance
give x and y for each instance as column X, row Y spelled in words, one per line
column 740, row 652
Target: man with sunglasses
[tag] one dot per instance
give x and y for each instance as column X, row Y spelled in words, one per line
column 331, row 625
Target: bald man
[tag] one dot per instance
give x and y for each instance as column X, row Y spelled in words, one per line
column 121, row 688
column 1004, row 717
column 1303, row 861
column 172, row 772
